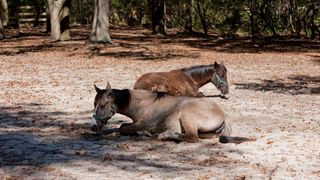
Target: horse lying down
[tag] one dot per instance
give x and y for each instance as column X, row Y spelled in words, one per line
column 185, row 81
column 172, row 118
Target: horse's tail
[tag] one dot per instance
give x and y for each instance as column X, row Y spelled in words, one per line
column 225, row 137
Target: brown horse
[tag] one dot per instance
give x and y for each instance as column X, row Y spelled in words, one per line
column 186, row 81
column 172, row 118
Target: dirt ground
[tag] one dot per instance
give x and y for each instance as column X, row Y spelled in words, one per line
column 46, row 104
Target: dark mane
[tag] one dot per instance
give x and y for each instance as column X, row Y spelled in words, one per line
column 160, row 95
column 199, row 73
column 122, row 98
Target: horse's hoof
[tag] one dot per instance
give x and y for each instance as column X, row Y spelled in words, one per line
column 144, row 133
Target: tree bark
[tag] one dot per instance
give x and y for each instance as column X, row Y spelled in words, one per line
column 158, row 16
column 100, row 24
column 3, row 17
column 1, row 30
column 189, row 16
column 203, row 20
column 48, row 23
column 59, row 19
column 4, row 12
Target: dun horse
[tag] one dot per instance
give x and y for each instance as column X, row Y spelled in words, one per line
column 186, row 81
column 169, row 117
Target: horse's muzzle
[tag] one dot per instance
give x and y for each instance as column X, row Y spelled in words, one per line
column 224, row 90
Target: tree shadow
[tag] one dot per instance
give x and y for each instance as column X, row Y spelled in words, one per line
column 136, row 42
column 147, row 55
column 316, row 59
column 234, row 44
column 294, row 85
column 246, row 45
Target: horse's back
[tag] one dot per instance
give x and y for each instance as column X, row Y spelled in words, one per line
column 146, row 81
column 174, row 82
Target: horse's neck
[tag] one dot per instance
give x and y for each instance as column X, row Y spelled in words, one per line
column 135, row 103
column 200, row 77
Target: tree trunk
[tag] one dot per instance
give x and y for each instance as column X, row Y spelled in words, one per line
column 48, row 23
column 314, row 26
column 1, row 30
column 3, row 17
column 292, row 17
column 100, row 24
column 189, row 16
column 203, row 20
column 4, row 12
column 59, row 19
column 253, row 25
column 64, row 21
column 158, row 13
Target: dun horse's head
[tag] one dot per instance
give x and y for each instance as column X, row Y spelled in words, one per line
column 104, row 107
column 219, row 78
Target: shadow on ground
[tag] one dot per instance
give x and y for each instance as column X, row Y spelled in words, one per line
column 294, row 85
column 33, row 137
column 135, row 43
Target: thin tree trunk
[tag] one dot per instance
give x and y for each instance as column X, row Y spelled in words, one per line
column 313, row 23
column 48, row 23
column 3, row 17
column 64, row 21
column 253, row 34
column 4, row 12
column 202, row 18
column 267, row 20
column 100, row 24
column 158, row 13
column 291, row 17
column 298, row 29
column 189, row 16
column 59, row 19
column 1, row 30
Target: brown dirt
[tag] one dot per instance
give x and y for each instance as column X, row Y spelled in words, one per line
column 46, row 101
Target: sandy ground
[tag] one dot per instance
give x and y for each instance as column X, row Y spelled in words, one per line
column 46, row 103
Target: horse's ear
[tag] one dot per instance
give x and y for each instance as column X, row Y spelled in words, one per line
column 97, row 89
column 108, row 88
column 216, row 65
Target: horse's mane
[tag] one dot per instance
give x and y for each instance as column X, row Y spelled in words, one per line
column 122, row 98
column 200, row 72
column 160, row 95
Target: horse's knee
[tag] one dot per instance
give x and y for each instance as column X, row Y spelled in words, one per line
column 200, row 94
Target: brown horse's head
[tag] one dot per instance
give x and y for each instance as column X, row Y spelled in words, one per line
column 219, row 78
column 104, row 107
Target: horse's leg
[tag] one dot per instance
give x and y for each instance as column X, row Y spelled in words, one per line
column 190, row 130
column 207, row 135
column 134, row 128
column 169, row 134
column 200, row 94
column 128, row 129
column 190, row 135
